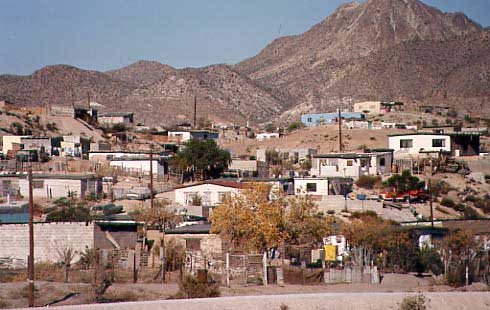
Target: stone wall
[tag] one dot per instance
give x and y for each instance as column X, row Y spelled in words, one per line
column 49, row 240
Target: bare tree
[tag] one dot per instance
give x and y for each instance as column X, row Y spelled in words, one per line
column 66, row 255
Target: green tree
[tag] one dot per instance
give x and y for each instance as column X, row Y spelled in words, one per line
column 203, row 156
column 404, row 182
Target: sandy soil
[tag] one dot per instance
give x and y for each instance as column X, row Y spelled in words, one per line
column 14, row 294
column 324, row 138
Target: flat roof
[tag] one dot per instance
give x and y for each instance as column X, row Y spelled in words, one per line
column 115, row 114
column 350, row 155
column 190, row 229
column 61, row 176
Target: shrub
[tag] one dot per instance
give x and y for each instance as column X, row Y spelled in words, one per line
column 197, row 287
column 359, row 215
column 368, row 181
column 448, row 202
column 416, row 302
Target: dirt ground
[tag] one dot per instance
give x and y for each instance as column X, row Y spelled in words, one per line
column 323, row 138
column 14, row 295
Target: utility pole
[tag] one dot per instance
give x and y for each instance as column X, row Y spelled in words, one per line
column 195, row 111
column 151, row 176
column 31, row 242
column 429, row 188
column 341, row 147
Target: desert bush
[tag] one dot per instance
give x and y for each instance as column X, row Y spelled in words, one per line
column 119, row 296
column 368, row 213
column 3, row 303
column 197, row 287
column 415, row 302
column 448, row 202
column 368, row 181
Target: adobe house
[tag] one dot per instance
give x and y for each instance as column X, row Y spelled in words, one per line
column 61, row 185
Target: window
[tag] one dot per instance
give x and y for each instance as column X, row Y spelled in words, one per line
column 382, row 162
column 37, row 183
column 406, row 143
column 222, row 196
column 310, row 187
column 310, row 119
column 438, row 143
column 193, row 244
column 350, row 163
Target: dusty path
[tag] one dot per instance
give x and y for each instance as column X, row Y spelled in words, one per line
column 340, row 301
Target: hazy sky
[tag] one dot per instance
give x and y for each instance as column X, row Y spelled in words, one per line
column 108, row 34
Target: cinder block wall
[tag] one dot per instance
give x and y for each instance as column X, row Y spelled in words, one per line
column 49, row 240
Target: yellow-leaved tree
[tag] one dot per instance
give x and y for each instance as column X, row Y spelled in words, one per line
column 254, row 220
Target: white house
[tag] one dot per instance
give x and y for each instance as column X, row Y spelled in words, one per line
column 311, row 186
column 64, row 185
column 352, row 165
column 212, row 193
column 184, row 136
column 412, row 144
column 139, row 164
column 107, row 155
column 267, row 136
column 112, row 118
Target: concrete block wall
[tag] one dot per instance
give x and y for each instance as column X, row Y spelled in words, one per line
column 49, row 240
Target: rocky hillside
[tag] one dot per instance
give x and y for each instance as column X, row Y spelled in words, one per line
column 378, row 49
column 374, row 50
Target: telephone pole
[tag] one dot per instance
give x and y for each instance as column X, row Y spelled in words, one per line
column 30, row 262
column 341, row 147
column 151, row 176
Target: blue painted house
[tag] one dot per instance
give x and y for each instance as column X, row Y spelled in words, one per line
column 310, row 120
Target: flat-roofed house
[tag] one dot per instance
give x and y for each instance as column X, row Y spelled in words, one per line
column 352, row 165
column 61, row 185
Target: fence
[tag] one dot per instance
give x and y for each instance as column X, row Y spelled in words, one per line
column 231, row 269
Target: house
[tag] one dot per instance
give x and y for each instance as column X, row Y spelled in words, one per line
column 310, row 120
column 13, row 144
column 108, row 155
column 74, row 146
column 184, row 136
column 352, row 165
column 9, row 185
column 140, row 164
column 63, row 111
column 353, row 124
column 456, row 144
column 294, row 154
column 14, row 212
column 311, row 186
column 112, row 118
column 209, row 193
column 376, row 107
column 61, row 185
column 406, row 145
column 6, row 105
column 204, row 250
column 248, row 168
column 266, row 136
column 51, row 238
column 438, row 129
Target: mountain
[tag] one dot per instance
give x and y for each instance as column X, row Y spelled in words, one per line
column 378, row 49
column 375, row 50
column 157, row 93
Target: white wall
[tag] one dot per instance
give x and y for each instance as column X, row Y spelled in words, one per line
column 265, row 136
column 209, row 192
column 56, row 187
column 7, row 142
column 49, row 238
column 300, row 186
column 142, row 166
column 103, row 155
column 420, row 142
column 183, row 136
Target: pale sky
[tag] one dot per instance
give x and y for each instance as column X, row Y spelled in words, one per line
column 109, row 34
